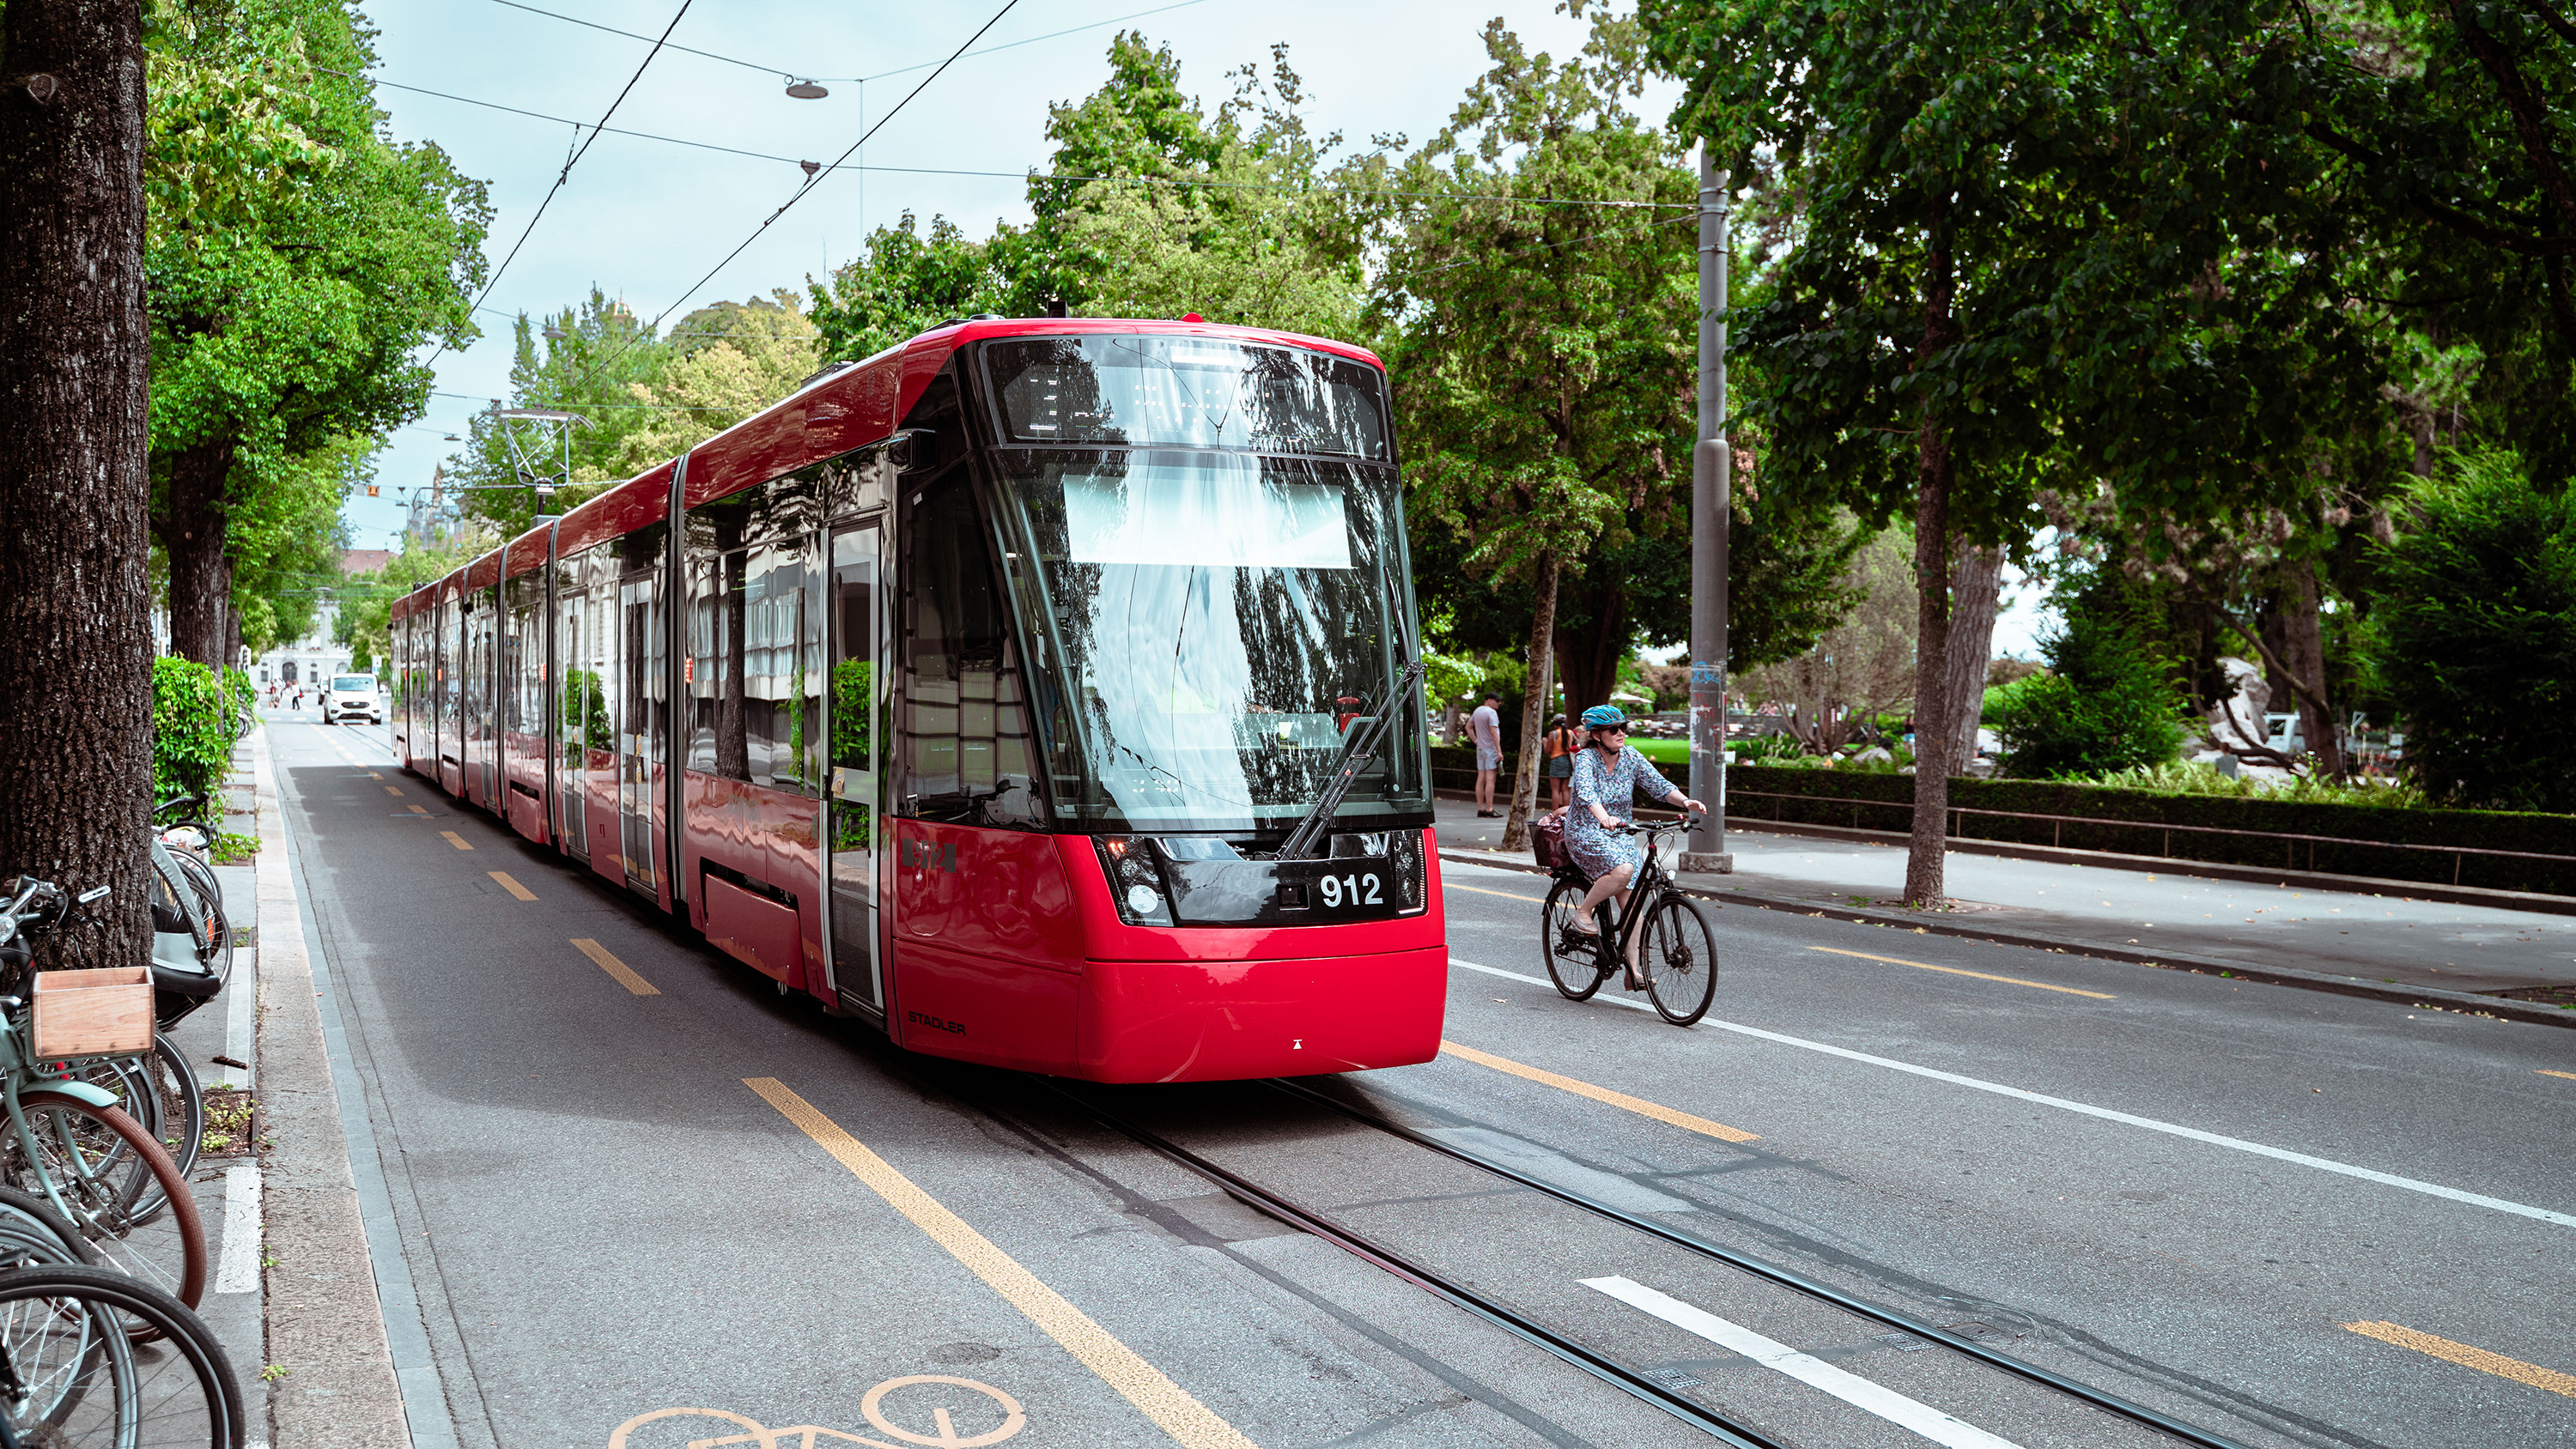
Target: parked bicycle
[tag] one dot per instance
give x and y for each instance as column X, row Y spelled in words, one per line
column 1677, row 958
column 68, row 1139
column 74, row 1376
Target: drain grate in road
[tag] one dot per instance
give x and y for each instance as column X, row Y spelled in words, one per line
column 1901, row 1342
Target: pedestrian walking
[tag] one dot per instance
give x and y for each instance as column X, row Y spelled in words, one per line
column 1485, row 727
column 1561, row 745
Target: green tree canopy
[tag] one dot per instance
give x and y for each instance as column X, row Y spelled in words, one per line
column 2475, row 640
column 1542, row 359
column 296, row 259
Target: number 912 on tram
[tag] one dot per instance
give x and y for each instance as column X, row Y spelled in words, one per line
column 1044, row 692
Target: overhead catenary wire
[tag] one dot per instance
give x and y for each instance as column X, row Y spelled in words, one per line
column 575, row 159
column 816, row 178
column 1388, row 192
column 857, row 79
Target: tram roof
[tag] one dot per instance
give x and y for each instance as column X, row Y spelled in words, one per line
column 846, row 408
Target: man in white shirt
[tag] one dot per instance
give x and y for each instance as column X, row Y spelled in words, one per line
column 1485, row 727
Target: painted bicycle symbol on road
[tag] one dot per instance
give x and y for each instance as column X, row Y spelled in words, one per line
column 944, row 1433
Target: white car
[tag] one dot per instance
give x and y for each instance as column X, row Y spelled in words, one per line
column 352, row 697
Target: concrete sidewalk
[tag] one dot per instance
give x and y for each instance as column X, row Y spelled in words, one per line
column 2386, row 940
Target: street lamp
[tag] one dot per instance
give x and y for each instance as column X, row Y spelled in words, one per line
column 805, row 90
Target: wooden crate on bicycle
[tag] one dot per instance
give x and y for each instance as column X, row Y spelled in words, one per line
column 101, row 1013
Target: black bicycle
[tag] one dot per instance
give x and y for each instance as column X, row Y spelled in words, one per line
column 1678, row 960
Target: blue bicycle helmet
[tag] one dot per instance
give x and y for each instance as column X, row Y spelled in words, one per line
column 1602, row 716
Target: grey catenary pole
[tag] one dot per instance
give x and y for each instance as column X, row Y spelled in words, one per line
column 1711, row 462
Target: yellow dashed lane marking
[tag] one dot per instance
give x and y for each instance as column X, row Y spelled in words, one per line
column 1451, row 885
column 419, row 809
column 1638, row 1105
column 2476, row 1358
column 2546, row 1072
column 624, row 973
column 1980, row 975
column 1180, row 1415
column 513, row 887
column 456, row 840
column 393, row 789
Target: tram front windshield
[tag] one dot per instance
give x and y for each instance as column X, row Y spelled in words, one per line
column 1222, row 620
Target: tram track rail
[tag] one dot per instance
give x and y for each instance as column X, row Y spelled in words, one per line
column 1261, row 1199
column 1788, row 1278
column 1717, row 1424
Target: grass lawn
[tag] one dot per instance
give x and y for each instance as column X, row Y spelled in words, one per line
column 1664, row 752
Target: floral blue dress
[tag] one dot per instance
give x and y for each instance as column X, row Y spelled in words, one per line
column 1613, row 786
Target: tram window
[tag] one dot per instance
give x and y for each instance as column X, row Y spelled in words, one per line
column 1192, row 392
column 523, row 653
column 965, row 749
column 755, row 637
column 581, row 654
column 644, row 714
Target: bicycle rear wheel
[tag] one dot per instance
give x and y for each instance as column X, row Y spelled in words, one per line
column 79, row 1383
column 102, row 1163
column 1679, row 960
column 1573, row 958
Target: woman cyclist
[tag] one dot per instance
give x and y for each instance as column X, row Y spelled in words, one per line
column 1608, row 772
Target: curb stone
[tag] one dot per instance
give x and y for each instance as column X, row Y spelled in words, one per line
column 2501, row 1008
column 325, row 1323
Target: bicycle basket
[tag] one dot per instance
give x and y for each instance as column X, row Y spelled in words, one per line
column 101, row 1013
column 1547, row 840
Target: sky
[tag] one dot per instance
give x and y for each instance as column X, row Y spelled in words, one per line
column 645, row 220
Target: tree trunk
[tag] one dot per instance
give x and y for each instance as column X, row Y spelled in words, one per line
column 2303, row 658
column 1976, row 584
column 75, row 607
column 1588, row 660
column 1525, row 770
column 1925, row 858
column 192, row 529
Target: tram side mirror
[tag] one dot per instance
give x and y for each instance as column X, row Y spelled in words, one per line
column 901, row 450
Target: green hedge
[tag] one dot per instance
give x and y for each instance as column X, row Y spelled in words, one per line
column 192, row 731
column 2134, row 820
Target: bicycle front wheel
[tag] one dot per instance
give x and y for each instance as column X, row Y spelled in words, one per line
column 103, row 1164
column 77, row 1382
column 1573, row 958
column 1679, row 960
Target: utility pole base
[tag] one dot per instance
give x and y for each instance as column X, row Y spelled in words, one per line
column 1710, row 862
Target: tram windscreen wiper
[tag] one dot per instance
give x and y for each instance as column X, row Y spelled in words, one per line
column 1311, row 829
column 1363, row 748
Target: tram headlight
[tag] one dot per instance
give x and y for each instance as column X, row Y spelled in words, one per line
column 1136, row 884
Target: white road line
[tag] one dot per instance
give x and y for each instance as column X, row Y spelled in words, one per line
column 2237, row 1144
column 1851, row 1388
column 238, row 1272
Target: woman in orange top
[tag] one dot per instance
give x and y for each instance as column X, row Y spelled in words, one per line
column 1561, row 745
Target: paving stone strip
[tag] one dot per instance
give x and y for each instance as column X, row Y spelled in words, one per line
column 325, row 1326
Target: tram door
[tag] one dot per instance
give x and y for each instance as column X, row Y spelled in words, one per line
column 639, row 733
column 857, row 711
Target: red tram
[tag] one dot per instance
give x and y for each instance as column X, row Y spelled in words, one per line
column 974, row 689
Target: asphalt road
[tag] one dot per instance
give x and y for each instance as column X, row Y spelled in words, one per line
column 712, row 1199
